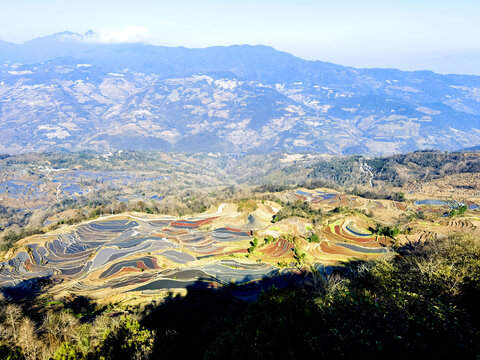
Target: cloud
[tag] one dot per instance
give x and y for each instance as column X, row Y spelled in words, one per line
column 130, row 34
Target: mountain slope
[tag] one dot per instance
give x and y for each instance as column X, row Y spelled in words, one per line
column 72, row 94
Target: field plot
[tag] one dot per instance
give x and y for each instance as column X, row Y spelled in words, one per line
column 435, row 204
column 278, row 249
column 343, row 240
column 33, row 189
column 329, row 199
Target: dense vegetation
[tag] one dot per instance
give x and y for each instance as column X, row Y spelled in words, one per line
column 423, row 165
column 301, row 209
column 396, row 170
column 344, row 171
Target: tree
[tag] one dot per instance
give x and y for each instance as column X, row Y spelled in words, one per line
column 127, row 340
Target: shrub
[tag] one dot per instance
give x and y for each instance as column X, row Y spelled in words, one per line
column 300, row 209
column 387, row 231
column 253, row 245
column 314, row 238
column 458, row 211
column 247, row 205
column 127, row 340
column 67, row 351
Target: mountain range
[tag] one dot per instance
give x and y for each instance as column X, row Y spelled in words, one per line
column 68, row 92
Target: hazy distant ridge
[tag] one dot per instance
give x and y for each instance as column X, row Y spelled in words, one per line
column 74, row 94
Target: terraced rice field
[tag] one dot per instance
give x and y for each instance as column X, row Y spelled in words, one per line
column 141, row 253
column 278, row 249
column 120, row 254
column 442, row 207
column 329, row 199
column 458, row 224
column 344, row 240
column 25, row 189
column 321, row 197
column 130, row 253
column 342, row 231
column 125, row 253
column 436, row 202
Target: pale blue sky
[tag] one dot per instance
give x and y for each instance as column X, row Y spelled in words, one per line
column 358, row 33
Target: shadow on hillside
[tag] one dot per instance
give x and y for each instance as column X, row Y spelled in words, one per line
column 186, row 324
column 27, row 289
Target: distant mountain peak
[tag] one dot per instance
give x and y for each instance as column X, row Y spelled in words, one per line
column 90, row 33
column 60, row 36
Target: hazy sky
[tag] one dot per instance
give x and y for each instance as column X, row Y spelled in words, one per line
column 399, row 33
